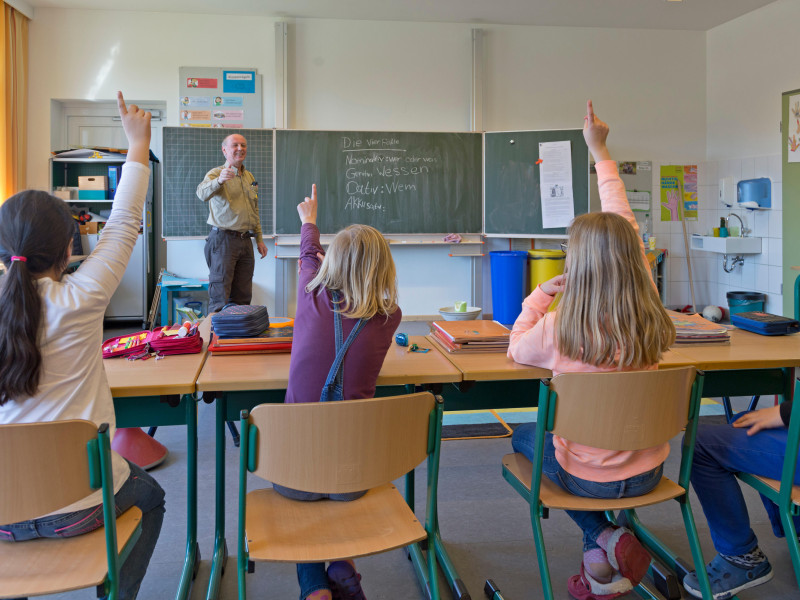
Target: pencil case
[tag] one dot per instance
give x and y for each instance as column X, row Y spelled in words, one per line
column 126, row 345
column 172, row 344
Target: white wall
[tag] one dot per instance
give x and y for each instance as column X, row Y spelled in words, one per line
column 751, row 61
column 649, row 85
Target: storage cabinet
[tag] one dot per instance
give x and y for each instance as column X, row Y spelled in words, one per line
column 131, row 301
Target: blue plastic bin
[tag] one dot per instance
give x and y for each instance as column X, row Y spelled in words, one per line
column 508, row 284
column 745, row 301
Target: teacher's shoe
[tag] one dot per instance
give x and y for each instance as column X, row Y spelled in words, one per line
column 728, row 579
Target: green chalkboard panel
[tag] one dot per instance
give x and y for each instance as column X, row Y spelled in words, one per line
column 190, row 153
column 400, row 183
column 512, row 196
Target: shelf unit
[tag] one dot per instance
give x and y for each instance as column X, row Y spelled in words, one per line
column 131, row 301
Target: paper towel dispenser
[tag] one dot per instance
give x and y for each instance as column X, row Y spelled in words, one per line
column 754, row 194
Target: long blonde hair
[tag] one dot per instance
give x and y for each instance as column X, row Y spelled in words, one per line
column 359, row 264
column 610, row 314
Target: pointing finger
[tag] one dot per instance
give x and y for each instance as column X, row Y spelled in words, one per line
column 121, row 104
column 589, row 112
column 314, row 192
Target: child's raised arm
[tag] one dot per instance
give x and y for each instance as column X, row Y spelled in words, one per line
column 595, row 132
column 136, row 123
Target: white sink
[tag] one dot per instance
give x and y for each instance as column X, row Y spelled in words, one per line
column 727, row 245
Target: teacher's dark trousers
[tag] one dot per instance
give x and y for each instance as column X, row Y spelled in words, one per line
column 231, row 261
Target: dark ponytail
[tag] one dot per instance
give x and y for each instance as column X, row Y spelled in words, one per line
column 36, row 229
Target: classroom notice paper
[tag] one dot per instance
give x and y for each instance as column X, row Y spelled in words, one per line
column 555, row 177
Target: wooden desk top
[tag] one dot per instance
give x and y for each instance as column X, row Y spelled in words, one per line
column 747, row 351
column 248, row 372
column 491, row 366
column 171, row 375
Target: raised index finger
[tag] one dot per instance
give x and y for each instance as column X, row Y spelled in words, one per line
column 313, row 192
column 589, row 111
column 123, row 110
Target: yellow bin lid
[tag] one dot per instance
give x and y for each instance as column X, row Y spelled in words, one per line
column 546, row 254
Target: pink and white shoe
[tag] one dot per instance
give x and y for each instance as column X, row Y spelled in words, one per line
column 584, row 587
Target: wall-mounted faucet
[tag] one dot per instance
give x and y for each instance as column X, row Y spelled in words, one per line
column 743, row 231
column 737, row 260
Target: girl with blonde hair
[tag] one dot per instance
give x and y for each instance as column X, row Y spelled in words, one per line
column 346, row 317
column 610, row 318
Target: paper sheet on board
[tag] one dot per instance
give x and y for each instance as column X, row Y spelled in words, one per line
column 555, row 176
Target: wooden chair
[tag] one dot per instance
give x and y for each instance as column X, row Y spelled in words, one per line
column 784, row 493
column 616, row 411
column 45, row 467
column 338, row 447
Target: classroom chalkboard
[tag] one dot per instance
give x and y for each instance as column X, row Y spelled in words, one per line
column 190, row 153
column 512, row 196
column 400, row 183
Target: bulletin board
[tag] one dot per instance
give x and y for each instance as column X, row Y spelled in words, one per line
column 219, row 97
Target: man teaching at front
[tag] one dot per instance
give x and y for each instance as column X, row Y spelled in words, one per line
column 232, row 195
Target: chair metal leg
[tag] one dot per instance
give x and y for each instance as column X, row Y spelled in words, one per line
column 791, row 538
column 492, row 591
column 234, row 433
column 541, row 556
column 726, row 405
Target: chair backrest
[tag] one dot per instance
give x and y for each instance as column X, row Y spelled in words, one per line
column 629, row 410
column 43, row 467
column 339, row 447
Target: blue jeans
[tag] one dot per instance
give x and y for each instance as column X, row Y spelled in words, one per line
column 313, row 576
column 721, row 451
column 139, row 490
column 592, row 523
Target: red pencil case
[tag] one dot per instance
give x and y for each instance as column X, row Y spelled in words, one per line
column 141, row 343
column 172, row 344
column 125, row 345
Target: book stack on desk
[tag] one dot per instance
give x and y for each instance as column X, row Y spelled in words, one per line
column 276, row 338
column 470, row 336
column 695, row 330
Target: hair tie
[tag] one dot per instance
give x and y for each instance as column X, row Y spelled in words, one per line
column 19, row 259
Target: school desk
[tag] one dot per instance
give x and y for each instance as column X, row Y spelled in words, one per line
column 162, row 392
column 241, row 382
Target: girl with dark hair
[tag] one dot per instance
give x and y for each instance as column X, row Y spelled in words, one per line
column 50, row 335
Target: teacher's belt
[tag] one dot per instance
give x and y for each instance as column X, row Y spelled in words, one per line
column 237, row 234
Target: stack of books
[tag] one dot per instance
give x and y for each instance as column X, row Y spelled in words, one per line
column 276, row 338
column 694, row 329
column 470, row 336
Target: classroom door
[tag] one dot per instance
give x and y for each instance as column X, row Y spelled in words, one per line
column 790, row 176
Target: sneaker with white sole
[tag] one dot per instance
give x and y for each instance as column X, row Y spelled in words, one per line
column 728, row 579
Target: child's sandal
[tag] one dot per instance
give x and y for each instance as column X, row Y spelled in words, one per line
column 584, row 587
column 627, row 555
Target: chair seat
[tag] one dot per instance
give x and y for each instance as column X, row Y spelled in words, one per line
column 378, row 521
column 552, row 496
column 46, row 566
column 776, row 485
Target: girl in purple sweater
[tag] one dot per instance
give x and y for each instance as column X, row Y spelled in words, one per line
column 350, row 291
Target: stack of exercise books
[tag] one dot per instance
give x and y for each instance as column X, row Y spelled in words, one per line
column 277, row 337
column 695, row 330
column 470, row 336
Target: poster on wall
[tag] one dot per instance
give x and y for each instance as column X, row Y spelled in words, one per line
column 679, row 192
column 219, row 97
column 793, row 130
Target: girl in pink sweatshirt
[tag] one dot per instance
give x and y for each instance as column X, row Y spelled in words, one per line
column 610, row 318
